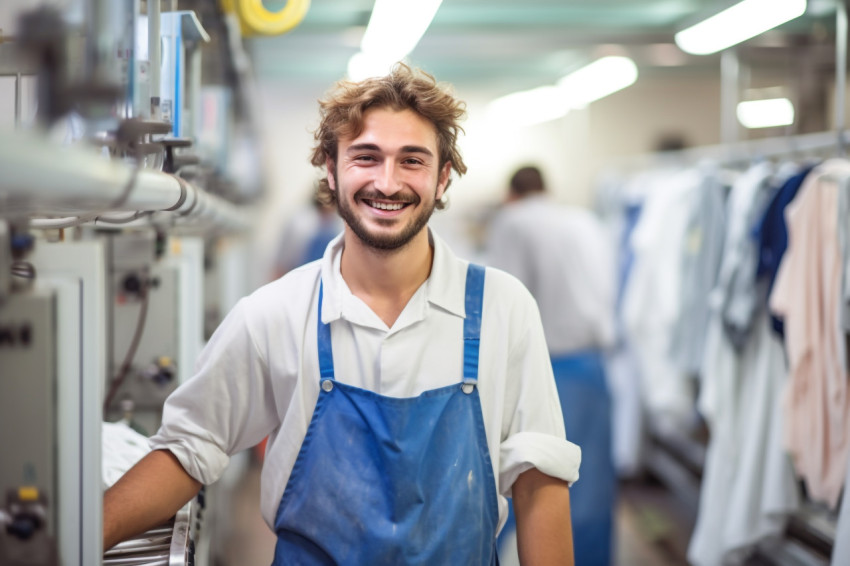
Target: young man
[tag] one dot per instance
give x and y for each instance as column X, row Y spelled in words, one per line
column 404, row 395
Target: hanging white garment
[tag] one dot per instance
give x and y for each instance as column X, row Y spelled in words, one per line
column 619, row 203
column 740, row 203
column 748, row 487
column 651, row 299
column 700, row 264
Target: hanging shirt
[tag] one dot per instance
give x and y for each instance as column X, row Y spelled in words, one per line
column 748, row 488
column 807, row 296
column 737, row 279
column 844, row 238
column 652, row 297
column 772, row 235
column 700, row 264
column 259, row 373
column 564, row 256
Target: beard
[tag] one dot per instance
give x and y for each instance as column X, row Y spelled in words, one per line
column 385, row 241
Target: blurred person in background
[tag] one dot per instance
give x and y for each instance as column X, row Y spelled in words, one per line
column 306, row 235
column 564, row 257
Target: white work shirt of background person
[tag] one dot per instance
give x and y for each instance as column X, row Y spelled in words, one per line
column 564, row 256
column 259, row 373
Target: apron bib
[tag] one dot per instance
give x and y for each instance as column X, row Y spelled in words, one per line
column 384, row 480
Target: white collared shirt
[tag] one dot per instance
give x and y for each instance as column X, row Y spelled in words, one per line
column 259, row 374
column 563, row 255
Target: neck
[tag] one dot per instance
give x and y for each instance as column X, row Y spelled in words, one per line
column 386, row 279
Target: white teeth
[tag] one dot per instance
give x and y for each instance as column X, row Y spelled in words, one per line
column 386, row 206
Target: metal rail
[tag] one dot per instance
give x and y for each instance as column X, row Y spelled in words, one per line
column 44, row 179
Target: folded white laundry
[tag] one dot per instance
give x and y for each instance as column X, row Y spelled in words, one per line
column 122, row 448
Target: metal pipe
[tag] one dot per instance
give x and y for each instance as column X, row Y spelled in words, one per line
column 46, row 179
column 155, row 56
column 840, row 72
column 18, row 95
column 743, row 150
column 730, row 69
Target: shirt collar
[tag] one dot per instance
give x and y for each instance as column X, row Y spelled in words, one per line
column 445, row 287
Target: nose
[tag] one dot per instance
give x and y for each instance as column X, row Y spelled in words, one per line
column 387, row 178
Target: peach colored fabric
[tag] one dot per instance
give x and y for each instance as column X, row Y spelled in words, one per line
column 807, row 295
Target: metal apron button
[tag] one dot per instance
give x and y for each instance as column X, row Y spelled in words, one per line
column 327, row 385
column 468, row 387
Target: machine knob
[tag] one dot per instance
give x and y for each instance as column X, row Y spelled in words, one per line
column 23, row 526
column 132, row 284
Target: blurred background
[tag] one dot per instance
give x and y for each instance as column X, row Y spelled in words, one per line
column 154, row 168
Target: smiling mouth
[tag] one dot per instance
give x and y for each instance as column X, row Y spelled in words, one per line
column 385, row 205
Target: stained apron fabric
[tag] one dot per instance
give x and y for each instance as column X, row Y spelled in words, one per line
column 586, row 405
column 383, row 480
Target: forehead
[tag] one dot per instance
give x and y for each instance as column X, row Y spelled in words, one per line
column 388, row 128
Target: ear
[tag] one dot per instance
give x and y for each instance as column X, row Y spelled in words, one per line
column 443, row 179
column 331, row 166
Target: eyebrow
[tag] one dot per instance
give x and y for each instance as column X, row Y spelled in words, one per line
column 374, row 147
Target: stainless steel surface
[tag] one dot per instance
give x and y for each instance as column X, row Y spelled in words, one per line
column 76, row 270
column 180, row 542
column 27, row 394
column 147, row 383
column 166, row 545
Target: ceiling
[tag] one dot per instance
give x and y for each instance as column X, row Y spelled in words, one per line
column 507, row 45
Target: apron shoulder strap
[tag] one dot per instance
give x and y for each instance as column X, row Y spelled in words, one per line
column 472, row 323
column 326, row 357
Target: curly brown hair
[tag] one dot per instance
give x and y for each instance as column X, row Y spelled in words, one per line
column 343, row 108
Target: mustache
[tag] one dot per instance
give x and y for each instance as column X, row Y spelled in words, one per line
column 372, row 194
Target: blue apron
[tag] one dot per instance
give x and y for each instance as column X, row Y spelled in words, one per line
column 586, row 406
column 383, row 480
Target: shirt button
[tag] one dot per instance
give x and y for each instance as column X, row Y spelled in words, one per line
column 327, row 385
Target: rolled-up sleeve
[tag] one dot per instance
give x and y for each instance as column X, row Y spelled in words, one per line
column 227, row 406
column 555, row 457
column 533, row 433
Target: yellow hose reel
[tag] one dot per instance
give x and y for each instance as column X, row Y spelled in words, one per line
column 256, row 19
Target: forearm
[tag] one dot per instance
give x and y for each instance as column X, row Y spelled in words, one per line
column 149, row 494
column 544, row 530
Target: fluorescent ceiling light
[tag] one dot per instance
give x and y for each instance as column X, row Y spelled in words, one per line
column 738, row 23
column 766, row 113
column 394, row 29
column 396, row 26
column 529, row 107
column 362, row 66
column 599, row 79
